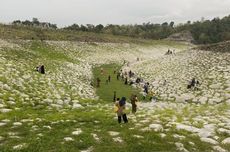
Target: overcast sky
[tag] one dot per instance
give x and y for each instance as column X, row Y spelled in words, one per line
column 67, row 12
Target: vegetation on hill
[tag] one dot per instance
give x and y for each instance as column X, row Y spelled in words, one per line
column 203, row 32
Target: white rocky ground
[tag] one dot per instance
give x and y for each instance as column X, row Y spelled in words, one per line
column 169, row 75
column 204, row 113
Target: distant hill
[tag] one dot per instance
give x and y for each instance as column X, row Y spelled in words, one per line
column 218, row 47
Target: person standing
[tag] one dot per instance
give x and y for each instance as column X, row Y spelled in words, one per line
column 120, row 105
column 98, row 82
column 109, row 78
column 114, row 96
column 134, row 101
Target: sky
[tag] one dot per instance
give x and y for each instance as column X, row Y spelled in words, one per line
column 67, row 12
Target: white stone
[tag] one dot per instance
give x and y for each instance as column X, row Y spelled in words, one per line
column 77, row 105
column 2, row 124
column 5, row 110
column 2, row 105
column 156, row 127
column 20, row 146
column 17, row 123
column 226, row 141
column 219, row 149
column 77, row 132
column 209, row 140
column 180, row 147
column 117, row 139
column 179, row 137
column 68, row 139
column 162, row 135
column 138, row 136
column 223, row 131
column 90, row 149
column 187, row 128
column 215, row 86
column 95, row 137
column 203, row 100
column 113, row 133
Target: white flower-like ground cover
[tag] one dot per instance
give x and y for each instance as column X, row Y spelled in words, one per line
column 203, row 113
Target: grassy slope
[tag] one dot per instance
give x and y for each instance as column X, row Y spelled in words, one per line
column 106, row 91
column 92, row 119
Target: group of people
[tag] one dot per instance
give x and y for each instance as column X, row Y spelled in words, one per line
column 193, row 84
column 169, row 52
column 40, row 69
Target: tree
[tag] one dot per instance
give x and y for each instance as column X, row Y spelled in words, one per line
column 35, row 21
column 171, row 24
column 99, row 28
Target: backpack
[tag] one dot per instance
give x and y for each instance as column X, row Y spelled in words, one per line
column 122, row 101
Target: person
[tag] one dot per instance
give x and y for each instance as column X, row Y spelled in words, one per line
column 114, row 96
column 164, row 83
column 126, row 80
column 120, row 107
column 102, row 71
column 134, row 101
column 153, row 97
column 130, row 73
column 118, row 75
column 146, row 88
column 138, row 80
column 109, row 78
column 193, row 84
column 41, row 69
column 131, row 82
column 98, row 82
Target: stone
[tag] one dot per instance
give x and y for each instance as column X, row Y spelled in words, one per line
column 20, row 146
column 209, row 140
column 113, row 133
column 203, row 100
column 2, row 105
column 77, row 106
column 218, row 149
column 156, row 127
column 117, row 139
column 77, row 132
column 226, row 141
column 5, row 110
column 2, row 124
column 180, row 147
column 90, row 149
column 179, row 137
column 138, row 136
column 187, row 128
column 215, row 86
column 95, row 137
column 223, row 131
column 17, row 123
column 68, row 139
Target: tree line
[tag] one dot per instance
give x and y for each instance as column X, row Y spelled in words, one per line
column 34, row 23
column 203, row 31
